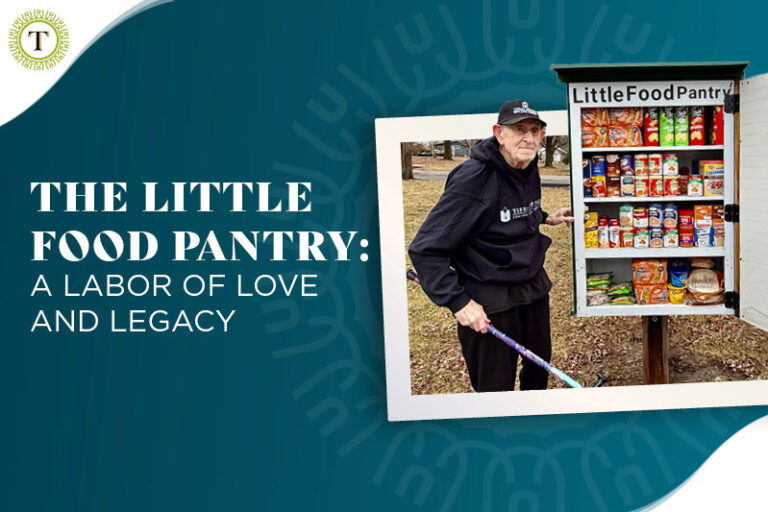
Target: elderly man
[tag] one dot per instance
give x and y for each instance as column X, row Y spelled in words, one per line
column 480, row 252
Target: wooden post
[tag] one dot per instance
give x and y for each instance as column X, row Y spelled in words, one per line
column 655, row 350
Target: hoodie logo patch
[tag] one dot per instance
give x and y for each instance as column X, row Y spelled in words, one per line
column 505, row 215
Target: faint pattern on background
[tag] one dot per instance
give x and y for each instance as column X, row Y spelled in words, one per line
column 603, row 462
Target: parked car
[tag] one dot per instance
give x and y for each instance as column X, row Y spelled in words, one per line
column 425, row 153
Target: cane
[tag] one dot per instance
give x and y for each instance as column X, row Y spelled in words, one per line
column 410, row 274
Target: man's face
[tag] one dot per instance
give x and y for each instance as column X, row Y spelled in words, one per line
column 519, row 143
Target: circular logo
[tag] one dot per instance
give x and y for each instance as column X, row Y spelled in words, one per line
column 38, row 39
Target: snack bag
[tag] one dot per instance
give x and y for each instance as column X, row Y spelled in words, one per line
column 681, row 126
column 651, row 126
column 666, row 126
column 594, row 117
column 627, row 116
column 594, row 137
column 652, row 293
column 650, row 271
column 696, row 137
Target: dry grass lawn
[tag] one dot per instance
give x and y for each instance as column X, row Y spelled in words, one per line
column 702, row 348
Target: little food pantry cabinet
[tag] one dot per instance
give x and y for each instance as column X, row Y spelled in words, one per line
column 603, row 104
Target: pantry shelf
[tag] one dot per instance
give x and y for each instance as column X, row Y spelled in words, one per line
column 652, row 149
column 654, row 199
column 657, row 309
column 661, row 252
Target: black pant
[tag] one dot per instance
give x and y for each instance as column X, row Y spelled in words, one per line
column 492, row 364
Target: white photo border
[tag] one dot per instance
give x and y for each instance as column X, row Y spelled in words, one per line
column 401, row 404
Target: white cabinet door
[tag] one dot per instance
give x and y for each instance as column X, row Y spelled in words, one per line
column 753, row 200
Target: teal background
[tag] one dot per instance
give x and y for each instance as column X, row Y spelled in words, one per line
column 287, row 411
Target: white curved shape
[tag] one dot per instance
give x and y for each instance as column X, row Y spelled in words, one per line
column 732, row 478
column 87, row 21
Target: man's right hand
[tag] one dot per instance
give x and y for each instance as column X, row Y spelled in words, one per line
column 472, row 315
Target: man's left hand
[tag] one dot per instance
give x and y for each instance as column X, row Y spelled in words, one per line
column 560, row 216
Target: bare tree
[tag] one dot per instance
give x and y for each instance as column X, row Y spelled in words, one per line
column 551, row 145
column 467, row 143
column 447, row 150
column 406, row 160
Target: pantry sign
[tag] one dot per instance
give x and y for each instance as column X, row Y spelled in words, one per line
column 650, row 93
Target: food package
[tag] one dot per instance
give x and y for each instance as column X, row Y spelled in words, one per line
column 612, row 165
column 623, row 300
column 667, row 126
column 695, row 186
column 594, row 117
column 594, row 137
column 627, row 116
column 597, row 298
column 713, row 186
column 704, row 287
column 627, row 165
column 590, row 230
column 702, row 216
column 657, row 238
column 642, row 185
column 627, row 237
column 598, row 186
column 670, row 217
column 702, row 263
column 676, row 294
column 712, row 168
column 625, row 215
column 669, row 165
column 656, row 186
column 598, row 166
column 641, row 164
column 649, row 271
column 641, row 238
column 628, row 186
column 613, row 186
column 696, row 137
column 651, row 126
column 717, row 127
column 718, row 212
column 654, row 163
column 622, row 136
column 620, row 289
column 600, row 281
column 640, row 217
column 678, row 272
column 651, row 293
column 687, row 237
column 703, row 237
column 671, row 238
column 718, row 232
column 681, row 126
column 671, row 185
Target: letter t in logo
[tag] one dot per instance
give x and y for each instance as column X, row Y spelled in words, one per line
column 37, row 42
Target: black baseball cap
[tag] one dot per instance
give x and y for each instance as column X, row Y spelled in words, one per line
column 512, row 112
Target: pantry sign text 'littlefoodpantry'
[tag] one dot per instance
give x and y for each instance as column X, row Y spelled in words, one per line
column 634, row 93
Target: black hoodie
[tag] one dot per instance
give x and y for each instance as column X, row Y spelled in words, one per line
column 482, row 240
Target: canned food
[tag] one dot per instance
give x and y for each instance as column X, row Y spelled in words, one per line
column 669, row 166
column 654, row 163
column 656, row 186
column 598, row 165
column 671, row 238
column 625, row 215
column 627, row 165
column 655, row 213
column 641, row 238
column 627, row 237
column 641, row 164
column 670, row 217
column 627, row 186
column 686, row 219
column 672, row 185
column 642, row 186
column 695, row 186
column 640, row 217
column 657, row 238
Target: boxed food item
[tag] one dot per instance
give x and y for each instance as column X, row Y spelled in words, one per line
column 702, row 216
column 712, row 168
column 590, row 230
column 713, row 186
column 651, row 293
column 598, row 186
column 613, row 186
column 649, row 271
